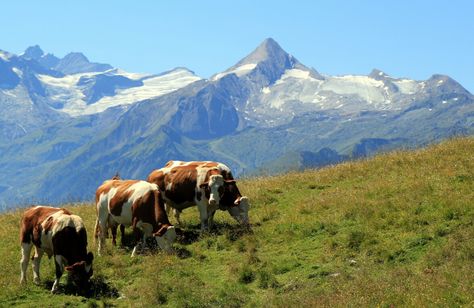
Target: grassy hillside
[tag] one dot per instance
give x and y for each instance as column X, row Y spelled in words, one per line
column 393, row 230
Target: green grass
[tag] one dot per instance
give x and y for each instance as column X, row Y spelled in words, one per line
column 396, row 230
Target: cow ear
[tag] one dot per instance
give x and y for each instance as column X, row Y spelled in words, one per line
column 69, row 268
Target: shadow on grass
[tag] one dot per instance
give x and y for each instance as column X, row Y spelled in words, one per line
column 98, row 288
column 192, row 233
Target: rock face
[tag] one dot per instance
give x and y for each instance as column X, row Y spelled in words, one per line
column 76, row 62
column 67, row 124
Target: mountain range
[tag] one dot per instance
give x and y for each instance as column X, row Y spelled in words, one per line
column 67, row 123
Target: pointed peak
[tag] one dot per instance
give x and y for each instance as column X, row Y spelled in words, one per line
column 444, row 83
column 270, row 43
column 33, row 52
column 269, row 48
column 76, row 56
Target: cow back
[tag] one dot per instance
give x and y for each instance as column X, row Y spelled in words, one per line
column 34, row 220
column 129, row 200
column 180, row 182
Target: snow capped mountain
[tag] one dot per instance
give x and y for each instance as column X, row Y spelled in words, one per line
column 89, row 93
column 75, row 86
column 281, row 88
column 67, row 124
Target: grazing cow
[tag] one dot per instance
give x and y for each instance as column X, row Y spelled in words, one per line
column 135, row 203
column 209, row 185
column 60, row 234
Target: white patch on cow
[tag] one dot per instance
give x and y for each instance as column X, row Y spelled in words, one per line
column 63, row 220
column 201, row 176
column 47, row 242
column 140, row 189
column 166, row 240
column 125, row 217
column 215, row 182
column 223, row 167
column 25, row 257
column 241, row 212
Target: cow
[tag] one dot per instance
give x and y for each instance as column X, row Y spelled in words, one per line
column 113, row 225
column 60, row 234
column 133, row 203
column 209, row 185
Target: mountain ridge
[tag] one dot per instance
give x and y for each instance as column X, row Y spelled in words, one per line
column 266, row 110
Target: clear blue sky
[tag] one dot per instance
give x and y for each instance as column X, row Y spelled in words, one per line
column 413, row 39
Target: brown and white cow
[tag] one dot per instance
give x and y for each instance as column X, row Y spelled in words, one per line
column 60, row 234
column 133, row 203
column 209, row 185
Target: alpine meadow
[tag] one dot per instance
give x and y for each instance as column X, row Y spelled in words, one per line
column 392, row 230
column 201, row 154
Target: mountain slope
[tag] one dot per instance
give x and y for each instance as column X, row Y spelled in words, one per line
column 393, row 230
column 67, row 132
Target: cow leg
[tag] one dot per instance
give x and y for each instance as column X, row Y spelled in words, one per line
column 102, row 233
column 211, row 219
column 101, row 243
column 137, row 235
column 114, row 234
column 36, row 264
column 177, row 213
column 202, row 207
column 58, row 262
column 122, row 233
column 25, row 256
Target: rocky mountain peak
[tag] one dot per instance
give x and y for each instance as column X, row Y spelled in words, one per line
column 33, row 52
column 269, row 49
column 378, row 74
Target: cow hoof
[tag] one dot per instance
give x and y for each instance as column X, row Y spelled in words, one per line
column 36, row 281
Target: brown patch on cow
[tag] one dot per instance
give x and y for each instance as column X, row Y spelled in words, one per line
column 193, row 164
column 34, row 217
column 149, row 208
column 121, row 196
column 184, row 187
column 231, row 194
column 183, row 182
column 157, row 177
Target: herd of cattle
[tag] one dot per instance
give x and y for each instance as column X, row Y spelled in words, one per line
column 144, row 205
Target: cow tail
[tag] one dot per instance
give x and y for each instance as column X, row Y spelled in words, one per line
column 97, row 229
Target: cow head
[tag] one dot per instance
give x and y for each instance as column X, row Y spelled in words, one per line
column 165, row 237
column 240, row 210
column 215, row 187
column 81, row 272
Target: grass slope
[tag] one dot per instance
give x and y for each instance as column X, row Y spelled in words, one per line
column 396, row 229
